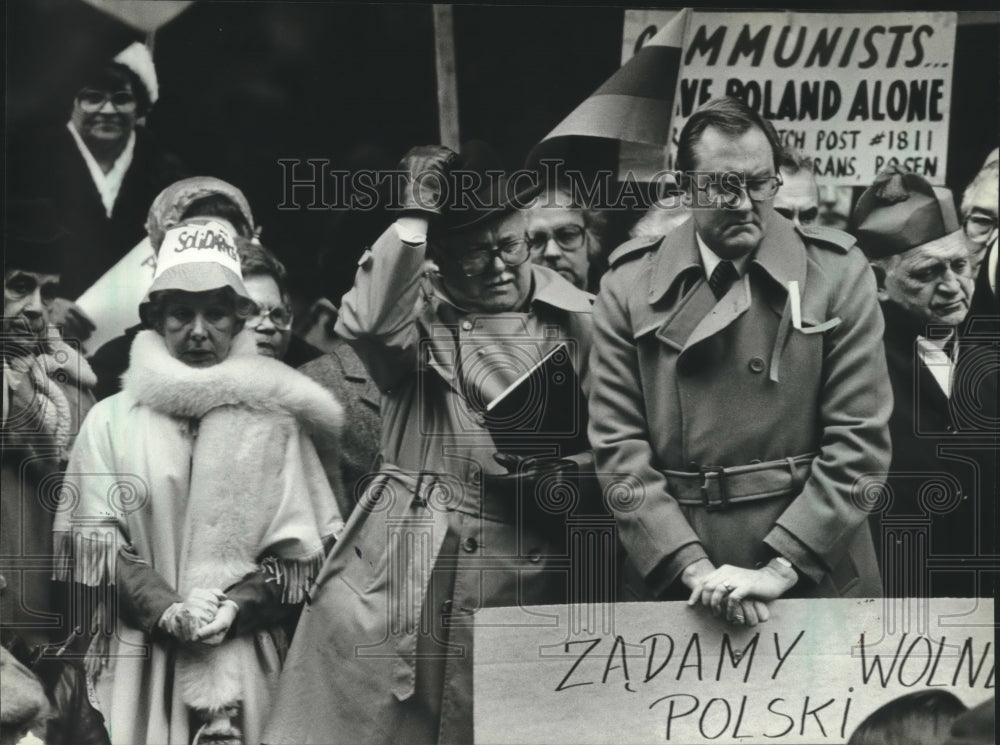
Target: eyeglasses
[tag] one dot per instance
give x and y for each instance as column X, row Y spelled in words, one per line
column 92, row 100
column 280, row 316
column 21, row 285
column 979, row 227
column 477, row 261
column 567, row 237
column 726, row 187
column 806, row 217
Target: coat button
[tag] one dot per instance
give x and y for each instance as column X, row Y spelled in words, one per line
column 756, row 365
column 467, row 325
column 446, row 608
column 534, row 556
column 470, row 545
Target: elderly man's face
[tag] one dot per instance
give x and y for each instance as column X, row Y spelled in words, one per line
column 933, row 283
column 733, row 230
column 105, row 113
column 27, row 297
column 981, row 219
column 500, row 287
column 198, row 327
column 272, row 323
column 558, row 239
column 798, row 198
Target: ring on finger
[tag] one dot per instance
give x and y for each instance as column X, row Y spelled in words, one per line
column 729, row 586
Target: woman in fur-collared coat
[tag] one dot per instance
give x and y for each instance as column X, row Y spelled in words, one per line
column 200, row 475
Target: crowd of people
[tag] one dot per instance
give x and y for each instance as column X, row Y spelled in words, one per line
column 225, row 534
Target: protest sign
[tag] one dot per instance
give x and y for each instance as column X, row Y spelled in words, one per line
column 112, row 302
column 667, row 673
column 854, row 91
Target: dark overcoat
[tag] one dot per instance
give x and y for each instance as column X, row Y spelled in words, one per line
column 936, row 525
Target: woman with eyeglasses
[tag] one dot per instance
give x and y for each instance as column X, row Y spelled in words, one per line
column 197, row 495
column 458, row 516
column 101, row 169
column 270, row 320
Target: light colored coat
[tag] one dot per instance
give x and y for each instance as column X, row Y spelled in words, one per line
column 205, row 474
column 424, row 547
column 683, row 382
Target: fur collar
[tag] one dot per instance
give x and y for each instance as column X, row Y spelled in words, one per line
column 244, row 379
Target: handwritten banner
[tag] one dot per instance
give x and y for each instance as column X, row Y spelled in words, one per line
column 663, row 672
column 853, row 91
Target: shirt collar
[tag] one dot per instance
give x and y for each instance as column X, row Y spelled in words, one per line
column 781, row 254
column 110, row 183
column 710, row 259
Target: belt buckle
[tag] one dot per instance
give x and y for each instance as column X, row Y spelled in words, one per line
column 720, row 472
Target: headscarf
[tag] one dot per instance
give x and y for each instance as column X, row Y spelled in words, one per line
column 171, row 203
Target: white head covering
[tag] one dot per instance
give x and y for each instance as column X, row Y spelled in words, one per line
column 136, row 57
column 198, row 255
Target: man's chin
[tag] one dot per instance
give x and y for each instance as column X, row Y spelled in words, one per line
column 954, row 318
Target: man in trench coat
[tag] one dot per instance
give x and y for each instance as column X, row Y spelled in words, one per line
column 746, row 414
column 383, row 652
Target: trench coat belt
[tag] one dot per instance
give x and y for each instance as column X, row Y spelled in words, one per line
column 715, row 487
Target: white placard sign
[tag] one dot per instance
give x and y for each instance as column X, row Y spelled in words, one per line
column 666, row 673
column 853, row 91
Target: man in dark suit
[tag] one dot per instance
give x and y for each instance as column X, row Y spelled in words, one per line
column 936, row 525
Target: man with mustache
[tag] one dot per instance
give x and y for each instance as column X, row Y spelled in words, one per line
column 942, row 481
column 740, row 385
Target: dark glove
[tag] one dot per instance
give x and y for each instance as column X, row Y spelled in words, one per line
column 537, row 491
column 427, row 186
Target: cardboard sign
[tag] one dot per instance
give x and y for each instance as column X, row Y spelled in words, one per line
column 113, row 301
column 853, row 91
column 666, row 673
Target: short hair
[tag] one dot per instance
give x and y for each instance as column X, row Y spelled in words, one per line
column 731, row 116
column 594, row 221
column 111, row 76
column 219, row 205
column 152, row 310
column 793, row 161
column 918, row 718
column 258, row 261
column 989, row 174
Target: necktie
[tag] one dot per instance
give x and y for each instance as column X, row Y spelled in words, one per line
column 722, row 278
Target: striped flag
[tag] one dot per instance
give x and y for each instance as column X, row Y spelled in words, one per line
column 634, row 104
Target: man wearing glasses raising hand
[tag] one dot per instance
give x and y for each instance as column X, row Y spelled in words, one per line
column 739, row 376
column 454, row 520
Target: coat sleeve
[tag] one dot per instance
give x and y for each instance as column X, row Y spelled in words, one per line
column 143, row 594
column 378, row 316
column 652, row 527
column 818, row 526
